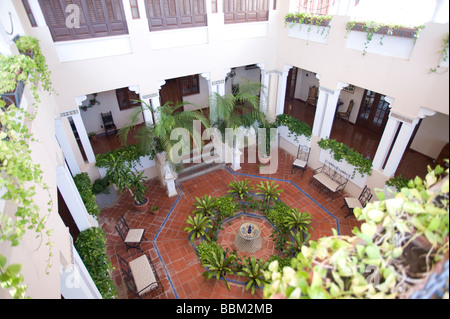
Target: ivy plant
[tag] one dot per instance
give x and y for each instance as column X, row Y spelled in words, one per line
column 90, row 244
column 340, row 152
column 20, row 177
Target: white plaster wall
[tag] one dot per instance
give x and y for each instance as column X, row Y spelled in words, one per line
column 108, row 102
column 432, row 135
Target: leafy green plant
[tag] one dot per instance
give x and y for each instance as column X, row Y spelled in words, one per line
column 398, row 182
column 205, row 204
column 119, row 173
column 298, row 240
column 394, row 249
column 372, row 27
column 28, row 44
column 20, row 178
column 341, row 151
column 296, row 127
column 253, row 270
column 156, row 138
column 130, row 154
column 90, row 244
column 240, row 188
column 219, row 265
column 83, row 184
column 306, row 18
column 298, row 220
column 270, row 191
column 198, row 226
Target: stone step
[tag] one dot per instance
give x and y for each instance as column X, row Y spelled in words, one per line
column 197, row 170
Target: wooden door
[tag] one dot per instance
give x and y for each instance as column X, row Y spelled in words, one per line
column 291, row 83
column 374, row 112
column 170, row 92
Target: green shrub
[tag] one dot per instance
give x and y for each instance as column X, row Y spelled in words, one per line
column 84, row 187
column 90, row 245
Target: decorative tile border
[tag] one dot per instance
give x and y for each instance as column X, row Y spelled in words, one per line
column 154, row 242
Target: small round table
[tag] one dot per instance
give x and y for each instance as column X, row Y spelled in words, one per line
column 248, row 238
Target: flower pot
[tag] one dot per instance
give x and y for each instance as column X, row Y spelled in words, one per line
column 142, row 207
column 264, row 159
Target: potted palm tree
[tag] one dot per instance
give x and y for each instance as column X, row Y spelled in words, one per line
column 156, row 136
column 236, row 109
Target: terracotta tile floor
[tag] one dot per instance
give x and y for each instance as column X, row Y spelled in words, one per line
column 167, row 244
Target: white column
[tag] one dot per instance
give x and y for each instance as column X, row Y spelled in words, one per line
column 282, row 83
column 76, row 282
column 65, row 146
column 399, row 147
column 84, row 138
column 385, row 143
column 265, row 90
column 73, row 200
column 330, row 110
column 322, row 102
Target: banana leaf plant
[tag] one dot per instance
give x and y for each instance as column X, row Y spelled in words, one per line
column 158, row 137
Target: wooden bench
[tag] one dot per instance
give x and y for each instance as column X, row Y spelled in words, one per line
column 330, row 179
column 140, row 276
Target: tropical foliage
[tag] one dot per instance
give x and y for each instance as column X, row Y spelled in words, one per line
column 394, row 250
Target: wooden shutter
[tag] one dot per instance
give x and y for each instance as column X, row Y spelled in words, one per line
column 98, row 18
column 239, row 11
column 174, row 14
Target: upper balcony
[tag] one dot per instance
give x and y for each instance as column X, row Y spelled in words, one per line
column 99, row 28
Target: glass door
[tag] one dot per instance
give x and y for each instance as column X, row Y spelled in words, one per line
column 373, row 112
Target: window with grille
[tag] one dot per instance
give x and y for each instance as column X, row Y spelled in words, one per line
column 314, row 7
column 175, row 14
column 97, row 18
column 238, row 11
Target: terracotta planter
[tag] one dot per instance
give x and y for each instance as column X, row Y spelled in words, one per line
column 264, row 160
column 142, row 207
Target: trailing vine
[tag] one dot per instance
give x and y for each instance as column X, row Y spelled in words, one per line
column 19, row 176
column 443, row 52
column 306, row 18
column 372, row 27
column 341, row 151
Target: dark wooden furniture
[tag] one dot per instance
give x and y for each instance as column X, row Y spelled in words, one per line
column 108, row 123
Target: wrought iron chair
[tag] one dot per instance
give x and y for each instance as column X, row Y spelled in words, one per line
column 302, row 158
column 140, row 276
column 312, row 96
column 131, row 237
column 108, row 122
column 361, row 201
column 346, row 115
